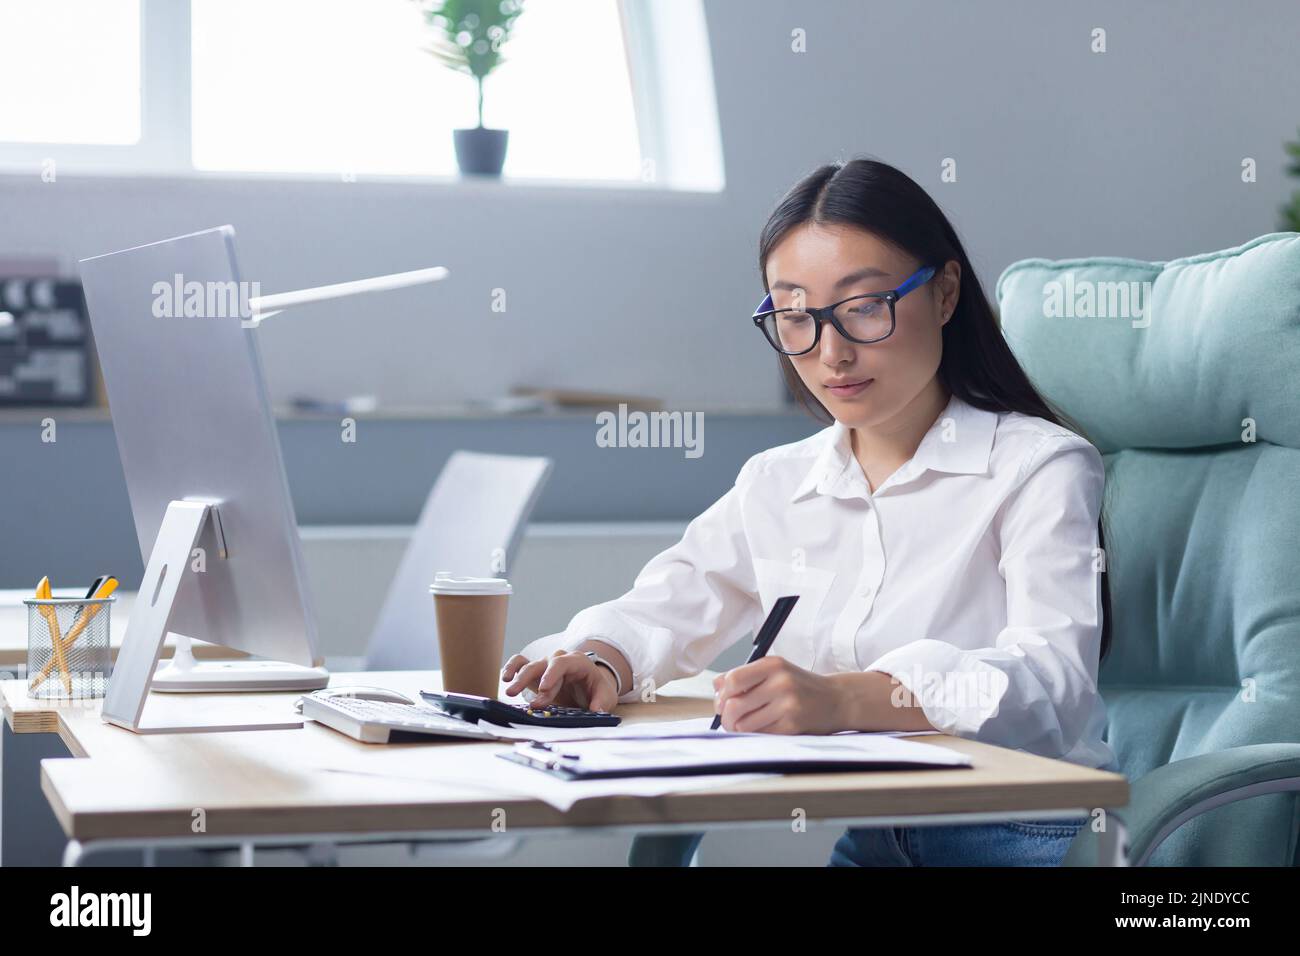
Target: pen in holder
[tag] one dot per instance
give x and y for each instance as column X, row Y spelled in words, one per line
column 68, row 652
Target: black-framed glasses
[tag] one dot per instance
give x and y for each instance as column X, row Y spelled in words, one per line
column 861, row 318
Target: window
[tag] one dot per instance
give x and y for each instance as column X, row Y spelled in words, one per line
column 70, row 71
column 330, row 87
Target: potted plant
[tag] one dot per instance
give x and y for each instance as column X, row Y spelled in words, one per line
column 1291, row 211
column 468, row 37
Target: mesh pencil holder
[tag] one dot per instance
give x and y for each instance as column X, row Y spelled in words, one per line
column 81, row 664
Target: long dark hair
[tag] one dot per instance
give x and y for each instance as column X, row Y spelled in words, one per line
column 977, row 364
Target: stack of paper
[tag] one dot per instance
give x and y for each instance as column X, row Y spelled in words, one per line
column 681, row 756
column 734, row 753
column 443, row 771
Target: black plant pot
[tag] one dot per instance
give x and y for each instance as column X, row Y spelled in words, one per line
column 481, row 151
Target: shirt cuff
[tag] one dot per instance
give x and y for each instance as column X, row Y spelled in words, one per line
column 600, row 624
column 956, row 698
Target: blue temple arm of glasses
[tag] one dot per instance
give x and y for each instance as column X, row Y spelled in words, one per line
column 919, row 277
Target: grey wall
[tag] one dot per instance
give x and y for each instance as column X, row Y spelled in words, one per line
column 65, row 511
column 1060, row 152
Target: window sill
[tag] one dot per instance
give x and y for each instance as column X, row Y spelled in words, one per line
column 372, row 182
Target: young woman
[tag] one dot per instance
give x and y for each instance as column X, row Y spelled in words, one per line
column 943, row 533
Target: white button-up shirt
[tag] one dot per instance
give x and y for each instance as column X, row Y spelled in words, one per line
column 972, row 575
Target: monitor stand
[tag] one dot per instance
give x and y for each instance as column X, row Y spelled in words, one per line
column 146, row 631
column 183, row 674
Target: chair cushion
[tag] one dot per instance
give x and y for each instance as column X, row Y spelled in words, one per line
column 1164, row 354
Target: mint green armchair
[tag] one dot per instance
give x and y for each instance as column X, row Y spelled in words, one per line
column 1186, row 375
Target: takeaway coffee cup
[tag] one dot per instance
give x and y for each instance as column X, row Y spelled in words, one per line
column 471, row 615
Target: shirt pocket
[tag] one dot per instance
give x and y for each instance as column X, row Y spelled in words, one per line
column 798, row 640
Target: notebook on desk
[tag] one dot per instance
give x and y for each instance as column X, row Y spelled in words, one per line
column 764, row 753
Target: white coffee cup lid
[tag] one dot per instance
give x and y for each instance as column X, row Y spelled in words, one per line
column 446, row 583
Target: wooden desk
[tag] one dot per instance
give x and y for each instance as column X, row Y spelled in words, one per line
column 266, row 786
column 13, row 632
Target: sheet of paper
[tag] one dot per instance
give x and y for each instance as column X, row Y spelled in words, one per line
column 691, row 727
column 482, row 770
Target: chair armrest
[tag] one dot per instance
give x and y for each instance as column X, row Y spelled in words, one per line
column 664, row 849
column 1168, row 796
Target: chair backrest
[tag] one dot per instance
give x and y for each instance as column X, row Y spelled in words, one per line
column 1186, row 376
column 471, row 524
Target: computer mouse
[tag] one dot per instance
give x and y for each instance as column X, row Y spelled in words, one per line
column 362, row 693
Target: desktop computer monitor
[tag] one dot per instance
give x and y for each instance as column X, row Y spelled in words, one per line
column 203, row 468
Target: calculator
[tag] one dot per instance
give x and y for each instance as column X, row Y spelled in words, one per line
column 473, row 707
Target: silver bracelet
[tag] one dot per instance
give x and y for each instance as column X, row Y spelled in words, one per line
column 597, row 659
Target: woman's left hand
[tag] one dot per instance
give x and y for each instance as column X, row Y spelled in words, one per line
column 773, row 696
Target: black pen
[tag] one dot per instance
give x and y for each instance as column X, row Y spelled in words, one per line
column 766, row 635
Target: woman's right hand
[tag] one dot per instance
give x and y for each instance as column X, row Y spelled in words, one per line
column 569, row 679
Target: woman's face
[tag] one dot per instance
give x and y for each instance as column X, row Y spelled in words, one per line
column 862, row 385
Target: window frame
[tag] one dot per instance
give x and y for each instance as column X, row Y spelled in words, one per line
column 165, row 144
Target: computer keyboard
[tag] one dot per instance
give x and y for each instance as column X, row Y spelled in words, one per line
column 385, row 722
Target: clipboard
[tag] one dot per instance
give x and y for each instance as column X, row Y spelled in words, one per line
column 608, row 758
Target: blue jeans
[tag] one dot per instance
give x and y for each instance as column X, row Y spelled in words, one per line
column 1012, row 843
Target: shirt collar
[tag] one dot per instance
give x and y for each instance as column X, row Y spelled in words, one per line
column 959, row 442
